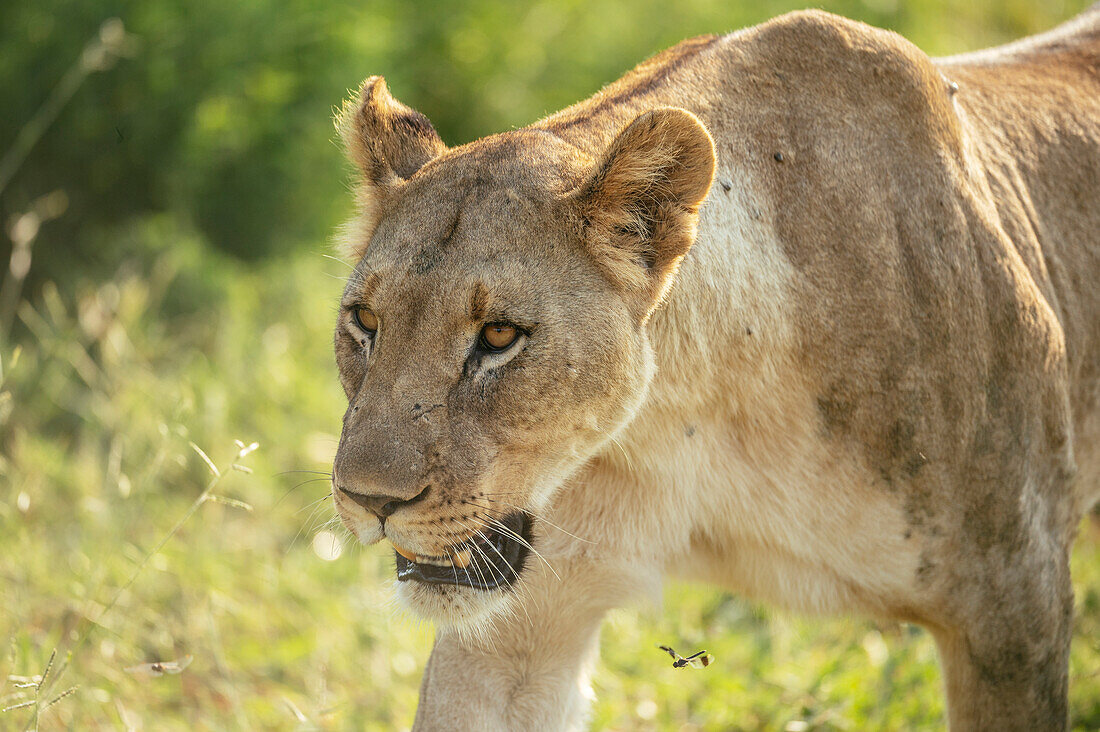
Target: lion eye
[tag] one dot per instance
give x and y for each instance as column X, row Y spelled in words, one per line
column 365, row 319
column 498, row 336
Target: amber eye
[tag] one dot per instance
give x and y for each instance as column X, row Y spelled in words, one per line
column 498, row 336
column 365, row 319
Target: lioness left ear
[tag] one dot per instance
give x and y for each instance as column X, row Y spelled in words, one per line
column 388, row 142
column 386, row 139
column 641, row 205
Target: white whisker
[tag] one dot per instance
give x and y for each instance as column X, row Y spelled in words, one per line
column 496, row 525
column 542, row 519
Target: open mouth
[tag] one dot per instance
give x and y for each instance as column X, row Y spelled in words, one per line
column 492, row 558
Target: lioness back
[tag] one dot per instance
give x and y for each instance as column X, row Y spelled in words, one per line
column 941, row 219
column 1033, row 112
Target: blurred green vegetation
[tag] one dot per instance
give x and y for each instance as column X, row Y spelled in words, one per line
column 172, row 219
column 218, row 113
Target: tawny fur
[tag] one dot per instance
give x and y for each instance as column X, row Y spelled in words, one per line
column 808, row 314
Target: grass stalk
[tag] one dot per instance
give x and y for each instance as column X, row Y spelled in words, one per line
column 42, row 686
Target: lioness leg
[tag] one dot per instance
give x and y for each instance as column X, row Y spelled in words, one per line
column 468, row 686
column 1006, row 668
column 527, row 669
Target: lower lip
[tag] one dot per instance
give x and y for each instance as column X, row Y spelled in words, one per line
column 483, row 575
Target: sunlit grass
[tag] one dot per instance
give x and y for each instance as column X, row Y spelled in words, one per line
column 288, row 625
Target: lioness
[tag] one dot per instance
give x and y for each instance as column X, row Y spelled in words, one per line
column 797, row 310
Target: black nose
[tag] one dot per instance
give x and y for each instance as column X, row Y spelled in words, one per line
column 382, row 506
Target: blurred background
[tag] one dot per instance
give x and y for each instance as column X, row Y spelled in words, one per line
column 169, row 181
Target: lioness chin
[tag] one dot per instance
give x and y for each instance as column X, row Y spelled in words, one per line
column 797, row 310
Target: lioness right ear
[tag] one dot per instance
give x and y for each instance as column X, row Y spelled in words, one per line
column 641, row 205
column 386, row 140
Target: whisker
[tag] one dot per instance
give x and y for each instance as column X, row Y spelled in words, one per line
column 616, row 443
column 493, row 547
column 307, row 481
column 542, row 519
column 515, row 574
column 473, row 563
column 337, row 259
column 498, row 526
column 454, row 568
column 299, row 485
column 309, row 521
column 313, row 504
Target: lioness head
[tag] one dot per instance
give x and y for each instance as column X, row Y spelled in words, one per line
column 493, row 334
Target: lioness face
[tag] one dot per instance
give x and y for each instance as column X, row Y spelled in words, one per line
column 490, row 340
column 484, row 358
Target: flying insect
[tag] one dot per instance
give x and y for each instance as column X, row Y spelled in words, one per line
column 702, row 659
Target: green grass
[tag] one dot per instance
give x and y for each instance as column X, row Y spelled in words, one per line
column 97, row 416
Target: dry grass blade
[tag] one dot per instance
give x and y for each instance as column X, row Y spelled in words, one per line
column 294, row 710
column 244, row 449
column 229, row 502
column 206, row 459
column 68, row 692
column 46, row 672
column 83, row 637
